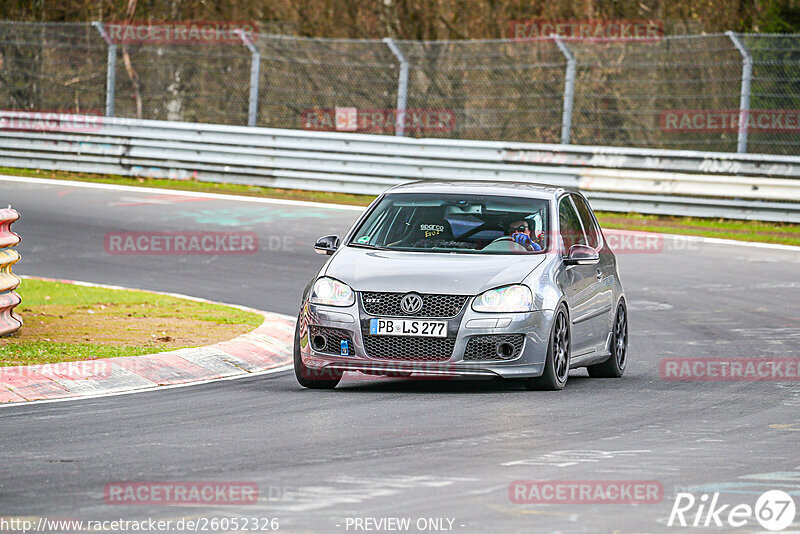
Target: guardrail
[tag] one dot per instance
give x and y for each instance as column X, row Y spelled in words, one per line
column 704, row 184
column 9, row 320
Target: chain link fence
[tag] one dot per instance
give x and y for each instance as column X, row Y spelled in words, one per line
column 672, row 92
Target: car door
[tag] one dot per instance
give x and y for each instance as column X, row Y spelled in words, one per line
column 602, row 300
column 576, row 281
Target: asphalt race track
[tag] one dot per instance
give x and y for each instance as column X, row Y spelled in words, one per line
column 378, row 448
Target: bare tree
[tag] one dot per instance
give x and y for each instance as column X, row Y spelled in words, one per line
column 126, row 59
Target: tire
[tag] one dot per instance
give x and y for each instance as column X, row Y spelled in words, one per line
column 614, row 366
column 556, row 368
column 311, row 378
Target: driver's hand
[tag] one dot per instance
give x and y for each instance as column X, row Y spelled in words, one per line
column 525, row 241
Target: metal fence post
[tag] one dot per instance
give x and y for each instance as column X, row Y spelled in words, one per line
column 744, row 98
column 111, row 69
column 402, row 86
column 255, row 69
column 569, row 89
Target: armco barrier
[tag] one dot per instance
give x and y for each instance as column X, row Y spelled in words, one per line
column 704, row 184
column 9, row 320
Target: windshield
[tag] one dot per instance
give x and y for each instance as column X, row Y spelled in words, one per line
column 469, row 224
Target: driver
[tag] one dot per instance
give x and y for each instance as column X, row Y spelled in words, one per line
column 520, row 232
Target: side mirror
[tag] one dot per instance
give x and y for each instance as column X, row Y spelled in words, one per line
column 327, row 244
column 582, row 255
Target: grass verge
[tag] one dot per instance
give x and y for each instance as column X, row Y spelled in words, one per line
column 763, row 232
column 68, row 322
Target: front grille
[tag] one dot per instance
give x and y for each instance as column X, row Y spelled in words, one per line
column 432, row 305
column 485, row 347
column 333, row 339
column 420, row 349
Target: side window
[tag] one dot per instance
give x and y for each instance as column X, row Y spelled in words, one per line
column 570, row 224
column 585, row 213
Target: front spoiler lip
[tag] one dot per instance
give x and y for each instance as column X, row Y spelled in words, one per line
column 417, row 368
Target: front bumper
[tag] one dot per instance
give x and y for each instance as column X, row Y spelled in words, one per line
column 534, row 326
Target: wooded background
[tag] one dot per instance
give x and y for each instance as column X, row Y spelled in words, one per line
column 420, row 19
column 320, row 55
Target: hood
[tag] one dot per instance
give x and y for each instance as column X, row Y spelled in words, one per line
column 428, row 272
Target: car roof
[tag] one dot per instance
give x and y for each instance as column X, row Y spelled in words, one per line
column 492, row 187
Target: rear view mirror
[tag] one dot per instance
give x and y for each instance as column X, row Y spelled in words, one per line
column 327, row 244
column 582, row 255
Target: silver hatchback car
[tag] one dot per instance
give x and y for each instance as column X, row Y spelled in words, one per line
column 466, row 279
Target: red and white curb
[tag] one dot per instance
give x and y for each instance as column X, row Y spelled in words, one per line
column 267, row 349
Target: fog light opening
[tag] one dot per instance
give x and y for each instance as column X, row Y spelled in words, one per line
column 318, row 342
column 505, row 350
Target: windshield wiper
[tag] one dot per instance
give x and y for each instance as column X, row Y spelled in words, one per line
column 364, row 245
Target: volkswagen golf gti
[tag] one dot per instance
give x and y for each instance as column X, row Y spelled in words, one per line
column 466, row 279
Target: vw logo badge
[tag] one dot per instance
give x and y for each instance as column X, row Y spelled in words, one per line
column 411, row 303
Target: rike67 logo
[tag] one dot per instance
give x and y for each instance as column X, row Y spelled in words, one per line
column 774, row 510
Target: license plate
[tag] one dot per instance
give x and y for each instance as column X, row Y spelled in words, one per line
column 407, row 327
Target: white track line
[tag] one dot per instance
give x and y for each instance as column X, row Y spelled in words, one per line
column 718, row 241
column 178, row 192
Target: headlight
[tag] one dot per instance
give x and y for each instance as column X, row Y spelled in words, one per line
column 504, row 299
column 332, row 293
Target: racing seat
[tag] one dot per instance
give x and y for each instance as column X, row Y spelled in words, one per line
column 429, row 226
